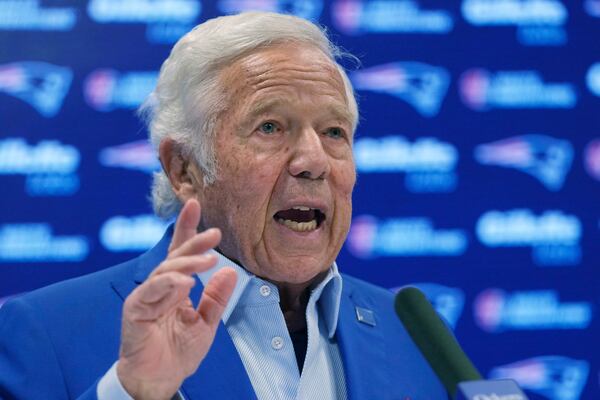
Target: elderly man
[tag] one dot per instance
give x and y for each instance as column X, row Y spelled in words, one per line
column 253, row 120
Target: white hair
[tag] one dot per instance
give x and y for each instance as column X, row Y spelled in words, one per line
column 188, row 97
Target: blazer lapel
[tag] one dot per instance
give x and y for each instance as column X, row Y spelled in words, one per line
column 222, row 374
column 362, row 346
column 138, row 269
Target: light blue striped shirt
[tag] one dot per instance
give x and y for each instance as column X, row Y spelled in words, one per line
column 255, row 322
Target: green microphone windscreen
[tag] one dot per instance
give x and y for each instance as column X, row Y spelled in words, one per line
column 432, row 337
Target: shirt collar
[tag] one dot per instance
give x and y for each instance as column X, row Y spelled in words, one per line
column 327, row 293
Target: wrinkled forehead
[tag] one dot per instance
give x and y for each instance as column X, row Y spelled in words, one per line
column 289, row 55
column 277, row 66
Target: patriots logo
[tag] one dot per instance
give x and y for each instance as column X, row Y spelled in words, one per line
column 545, row 158
column 43, row 86
column 555, row 377
column 421, row 85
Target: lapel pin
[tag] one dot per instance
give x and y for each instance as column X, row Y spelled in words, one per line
column 365, row 316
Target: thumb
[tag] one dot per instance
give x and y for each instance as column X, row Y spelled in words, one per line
column 216, row 295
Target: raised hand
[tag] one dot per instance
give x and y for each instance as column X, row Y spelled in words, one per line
column 164, row 338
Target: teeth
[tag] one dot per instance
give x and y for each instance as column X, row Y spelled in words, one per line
column 299, row 226
column 301, row 208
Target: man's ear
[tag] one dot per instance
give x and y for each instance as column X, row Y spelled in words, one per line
column 180, row 170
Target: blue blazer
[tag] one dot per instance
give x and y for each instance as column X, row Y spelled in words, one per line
column 57, row 342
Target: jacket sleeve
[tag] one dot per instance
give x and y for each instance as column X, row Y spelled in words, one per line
column 29, row 367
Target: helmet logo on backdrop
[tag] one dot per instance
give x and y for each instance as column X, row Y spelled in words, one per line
column 41, row 85
column 545, row 158
column 554, row 377
column 355, row 17
column 421, row 85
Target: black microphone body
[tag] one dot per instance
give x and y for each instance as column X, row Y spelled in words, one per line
column 443, row 353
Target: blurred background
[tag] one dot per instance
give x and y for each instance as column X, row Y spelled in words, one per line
column 478, row 154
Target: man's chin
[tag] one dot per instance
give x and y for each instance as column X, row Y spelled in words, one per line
column 298, row 269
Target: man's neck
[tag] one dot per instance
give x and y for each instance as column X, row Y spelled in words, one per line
column 293, row 307
column 293, row 299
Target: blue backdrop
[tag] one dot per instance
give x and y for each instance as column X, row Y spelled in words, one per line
column 478, row 154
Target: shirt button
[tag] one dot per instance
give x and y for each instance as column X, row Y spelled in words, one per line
column 277, row 343
column 265, row 290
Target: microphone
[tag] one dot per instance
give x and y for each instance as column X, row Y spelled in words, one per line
column 443, row 353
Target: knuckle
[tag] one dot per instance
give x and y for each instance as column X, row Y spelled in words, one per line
column 215, row 297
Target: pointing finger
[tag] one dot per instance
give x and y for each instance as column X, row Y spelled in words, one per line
column 187, row 224
column 198, row 244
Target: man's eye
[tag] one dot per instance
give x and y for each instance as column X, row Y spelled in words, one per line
column 335, row 133
column 268, row 128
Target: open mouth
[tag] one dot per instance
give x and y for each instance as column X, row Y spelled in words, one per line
column 300, row 218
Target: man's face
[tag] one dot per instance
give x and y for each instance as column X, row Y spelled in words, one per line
column 282, row 197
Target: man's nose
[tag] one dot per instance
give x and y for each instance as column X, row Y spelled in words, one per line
column 309, row 157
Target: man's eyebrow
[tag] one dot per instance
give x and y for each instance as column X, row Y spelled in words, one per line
column 338, row 111
column 341, row 112
column 263, row 106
